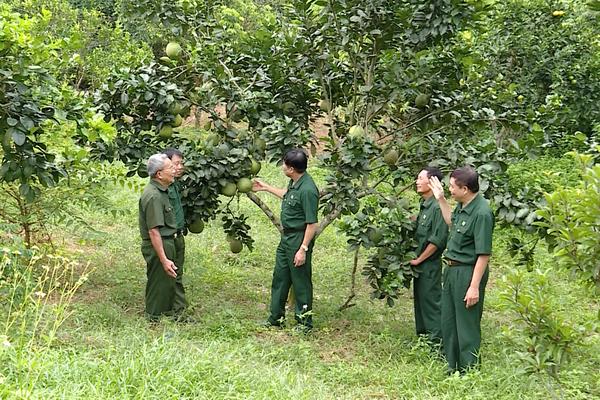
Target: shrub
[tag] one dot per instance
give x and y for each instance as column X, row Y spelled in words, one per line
column 572, row 221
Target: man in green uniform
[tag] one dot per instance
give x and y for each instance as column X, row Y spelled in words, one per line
column 468, row 253
column 431, row 235
column 174, row 191
column 293, row 259
column 158, row 228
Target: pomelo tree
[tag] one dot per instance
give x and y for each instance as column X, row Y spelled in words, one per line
column 396, row 84
column 371, row 72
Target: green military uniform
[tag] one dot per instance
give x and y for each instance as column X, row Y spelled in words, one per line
column 431, row 228
column 470, row 236
column 155, row 211
column 299, row 208
column 174, row 191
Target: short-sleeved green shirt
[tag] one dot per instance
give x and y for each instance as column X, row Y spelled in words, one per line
column 175, row 199
column 471, row 231
column 431, row 228
column 300, row 203
column 156, row 211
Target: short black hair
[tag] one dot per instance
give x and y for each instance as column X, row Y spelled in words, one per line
column 434, row 171
column 297, row 159
column 170, row 152
column 466, row 176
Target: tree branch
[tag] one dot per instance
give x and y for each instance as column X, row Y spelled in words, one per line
column 328, row 220
column 348, row 303
column 415, row 121
column 336, row 212
column 256, row 200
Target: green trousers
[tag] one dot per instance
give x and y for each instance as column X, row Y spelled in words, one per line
column 164, row 295
column 286, row 275
column 427, row 290
column 461, row 326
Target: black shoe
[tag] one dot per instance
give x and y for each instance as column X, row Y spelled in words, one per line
column 269, row 325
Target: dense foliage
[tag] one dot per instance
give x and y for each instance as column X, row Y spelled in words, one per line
column 394, row 85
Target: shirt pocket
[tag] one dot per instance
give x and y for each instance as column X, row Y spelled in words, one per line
column 292, row 201
column 463, row 230
column 423, row 224
column 169, row 212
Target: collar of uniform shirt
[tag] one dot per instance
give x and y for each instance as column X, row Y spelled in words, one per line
column 298, row 183
column 469, row 208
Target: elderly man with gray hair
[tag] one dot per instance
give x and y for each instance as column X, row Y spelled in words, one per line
column 158, row 228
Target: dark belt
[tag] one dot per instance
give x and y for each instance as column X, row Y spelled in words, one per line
column 452, row 263
column 287, row 231
column 177, row 234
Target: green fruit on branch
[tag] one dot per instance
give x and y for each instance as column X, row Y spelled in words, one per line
column 177, row 121
column 235, row 246
column 422, row 100
column 166, row 132
column 391, row 157
column 356, row 132
column 197, row 226
column 244, row 185
column 229, row 189
column 255, row 167
column 176, row 107
column 173, row 50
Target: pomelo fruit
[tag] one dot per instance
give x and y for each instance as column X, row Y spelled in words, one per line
column 244, row 185
column 229, row 189
column 173, row 50
column 197, row 226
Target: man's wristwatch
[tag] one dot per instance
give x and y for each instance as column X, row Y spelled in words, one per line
column 304, row 247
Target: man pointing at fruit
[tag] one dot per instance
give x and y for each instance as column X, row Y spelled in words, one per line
column 293, row 259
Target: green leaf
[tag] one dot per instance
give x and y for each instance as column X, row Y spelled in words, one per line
column 522, row 213
column 510, row 217
column 24, row 189
column 17, row 136
column 27, row 122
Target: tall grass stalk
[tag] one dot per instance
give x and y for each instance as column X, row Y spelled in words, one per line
column 36, row 291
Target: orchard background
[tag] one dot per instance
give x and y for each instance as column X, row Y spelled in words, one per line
column 374, row 90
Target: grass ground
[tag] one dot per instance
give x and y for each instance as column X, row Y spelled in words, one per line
column 107, row 350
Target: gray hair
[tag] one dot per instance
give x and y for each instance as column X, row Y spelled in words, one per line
column 156, row 162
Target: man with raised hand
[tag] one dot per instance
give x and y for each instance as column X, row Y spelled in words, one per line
column 467, row 256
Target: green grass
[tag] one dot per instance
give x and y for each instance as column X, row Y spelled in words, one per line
column 107, row 350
